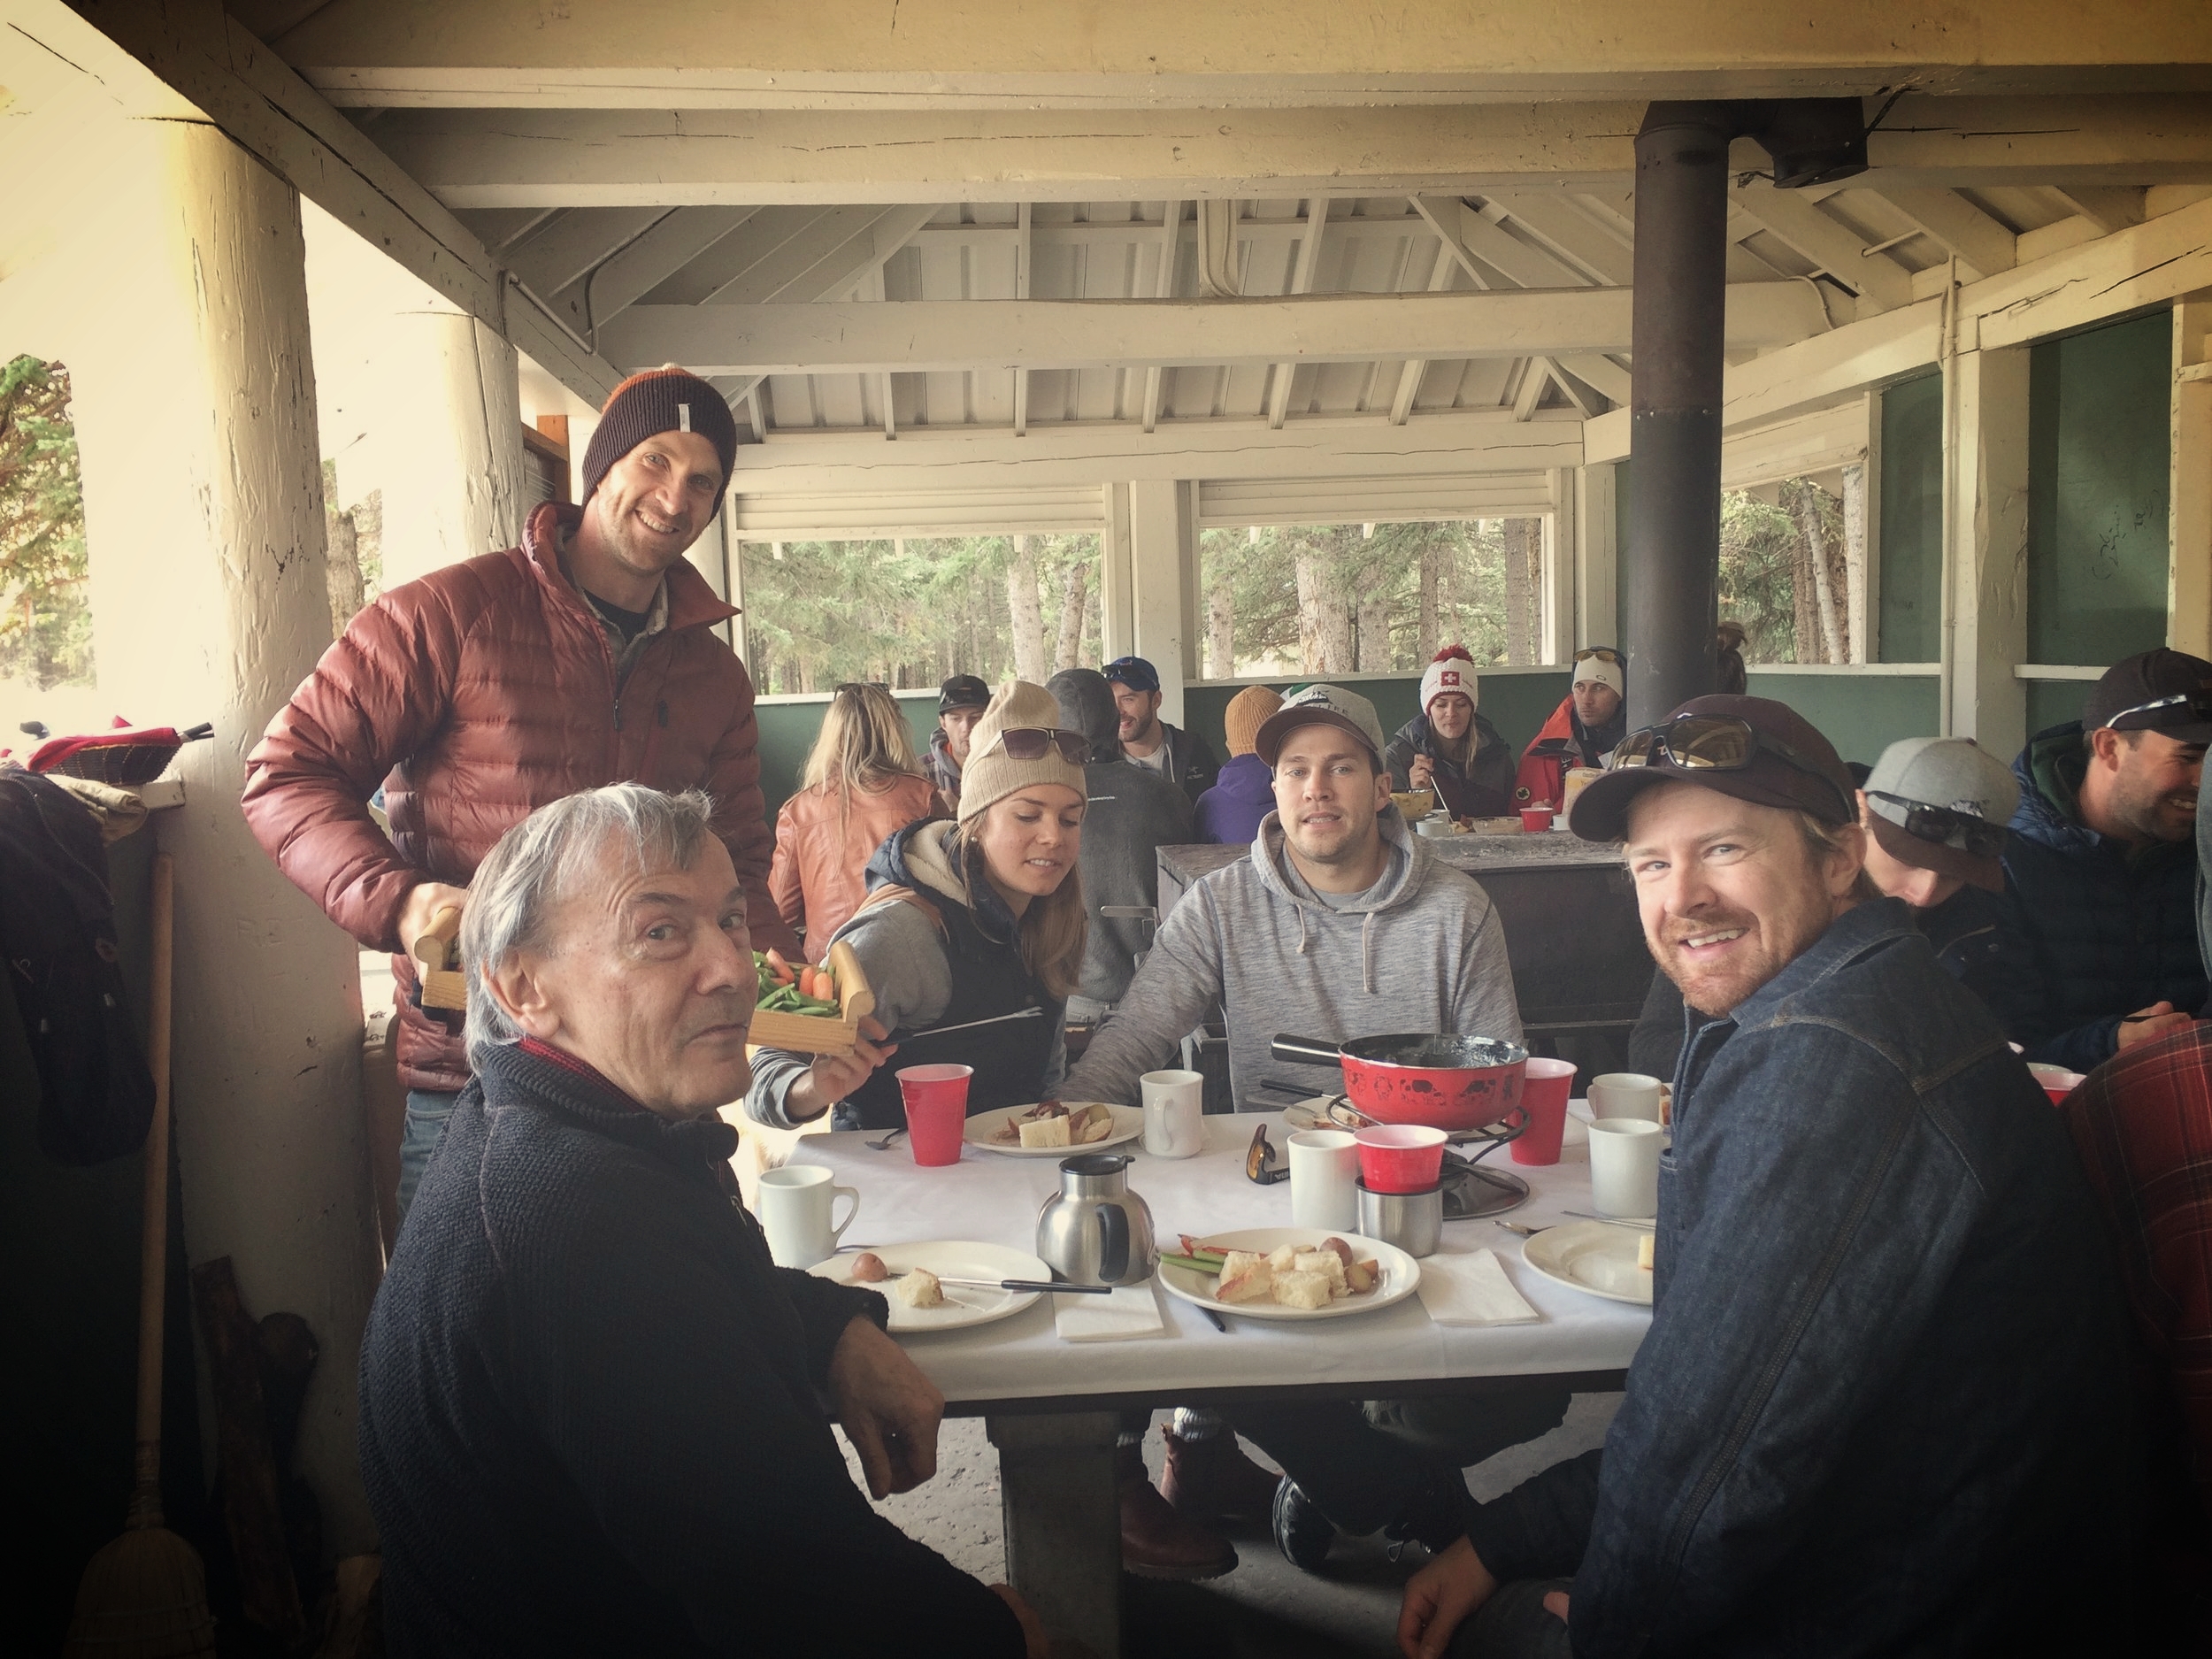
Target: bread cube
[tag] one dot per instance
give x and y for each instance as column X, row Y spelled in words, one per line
column 1296, row 1289
column 1644, row 1247
column 1283, row 1257
column 1328, row 1263
column 1046, row 1131
column 1245, row 1277
column 918, row 1288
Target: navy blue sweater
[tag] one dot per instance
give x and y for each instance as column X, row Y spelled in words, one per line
column 589, row 1422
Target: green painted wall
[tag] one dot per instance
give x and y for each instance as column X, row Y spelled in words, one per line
column 1861, row 714
column 2098, row 444
column 2054, row 701
column 1910, row 626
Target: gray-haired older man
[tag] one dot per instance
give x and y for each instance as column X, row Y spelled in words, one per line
column 589, row 1419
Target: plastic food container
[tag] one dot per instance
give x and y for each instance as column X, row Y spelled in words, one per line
column 1401, row 1157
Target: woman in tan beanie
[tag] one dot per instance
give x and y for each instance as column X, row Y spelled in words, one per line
column 969, row 920
column 1230, row 812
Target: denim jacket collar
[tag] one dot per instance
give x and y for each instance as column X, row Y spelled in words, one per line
column 1867, row 924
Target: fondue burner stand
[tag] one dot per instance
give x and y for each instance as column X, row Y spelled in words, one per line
column 1470, row 1192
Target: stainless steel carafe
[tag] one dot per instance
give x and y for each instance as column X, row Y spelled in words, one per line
column 1094, row 1230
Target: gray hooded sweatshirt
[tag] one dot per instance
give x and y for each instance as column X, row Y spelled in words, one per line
column 1426, row 953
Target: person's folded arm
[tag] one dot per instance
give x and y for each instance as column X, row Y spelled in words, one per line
column 654, row 1382
column 2082, row 1049
column 1541, row 1528
column 1180, row 982
column 378, row 694
column 1831, row 1211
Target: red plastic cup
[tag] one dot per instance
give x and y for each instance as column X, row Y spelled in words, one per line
column 936, row 1100
column 1401, row 1157
column 2056, row 1080
column 1545, row 1086
column 1535, row 817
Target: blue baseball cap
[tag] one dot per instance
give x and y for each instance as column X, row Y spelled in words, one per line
column 1134, row 672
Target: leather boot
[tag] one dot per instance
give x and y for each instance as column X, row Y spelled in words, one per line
column 1212, row 1479
column 1157, row 1542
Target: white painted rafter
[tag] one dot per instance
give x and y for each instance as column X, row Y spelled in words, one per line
column 1301, row 282
column 1825, row 241
column 1170, row 235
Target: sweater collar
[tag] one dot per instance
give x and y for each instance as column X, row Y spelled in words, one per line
column 536, row 1075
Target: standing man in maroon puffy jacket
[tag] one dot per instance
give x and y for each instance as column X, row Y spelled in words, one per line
column 485, row 690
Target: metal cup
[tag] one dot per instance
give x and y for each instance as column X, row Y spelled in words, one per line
column 1412, row 1221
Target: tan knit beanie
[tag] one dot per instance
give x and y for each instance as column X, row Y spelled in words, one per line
column 990, row 775
column 1246, row 712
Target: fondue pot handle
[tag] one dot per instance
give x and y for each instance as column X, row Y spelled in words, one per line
column 1304, row 1051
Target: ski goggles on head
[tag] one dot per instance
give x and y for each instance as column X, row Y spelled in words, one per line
column 2184, row 708
column 1710, row 743
column 1942, row 825
column 1031, row 742
column 1603, row 654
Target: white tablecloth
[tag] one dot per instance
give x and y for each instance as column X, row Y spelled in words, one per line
column 996, row 1199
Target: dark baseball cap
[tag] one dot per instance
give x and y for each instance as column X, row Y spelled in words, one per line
column 2119, row 699
column 962, row 691
column 1134, row 672
column 1787, row 763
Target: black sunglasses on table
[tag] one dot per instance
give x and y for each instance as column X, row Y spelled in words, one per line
column 1978, row 836
column 1711, row 742
column 1030, row 742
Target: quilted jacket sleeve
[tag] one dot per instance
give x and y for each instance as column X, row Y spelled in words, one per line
column 377, row 695
column 740, row 819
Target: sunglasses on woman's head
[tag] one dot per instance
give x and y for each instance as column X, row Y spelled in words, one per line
column 1978, row 836
column 1030, row 742
column 1710, row 743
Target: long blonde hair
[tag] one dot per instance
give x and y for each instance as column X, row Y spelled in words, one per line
column 1052, row 928
column 863, row 743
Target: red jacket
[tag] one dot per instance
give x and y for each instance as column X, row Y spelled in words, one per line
column 1544, row 763
column 474, row 696
column 822, row 852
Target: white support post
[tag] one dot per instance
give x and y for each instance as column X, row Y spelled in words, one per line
column 1117, row 601
column 1868, row 633
column 1559, row 543
column 1986, row 473
column 175, row 288
column 2189, row 569
column 734, row 564
column 1597, row 560
column 1156, row 564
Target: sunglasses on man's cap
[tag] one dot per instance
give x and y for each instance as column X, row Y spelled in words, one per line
column 2184, row 708
column 1709, row 742
column 1602, row 654
column 1945, row 826
column 1030, row 742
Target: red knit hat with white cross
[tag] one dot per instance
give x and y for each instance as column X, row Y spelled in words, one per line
column 1452, row 669
column 667, row 399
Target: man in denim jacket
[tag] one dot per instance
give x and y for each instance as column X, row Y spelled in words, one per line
column 1883, row 1406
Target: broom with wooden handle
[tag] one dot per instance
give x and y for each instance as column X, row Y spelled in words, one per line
column 145, row 1597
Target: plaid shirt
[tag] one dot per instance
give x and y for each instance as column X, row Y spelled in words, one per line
column 2143, row 1126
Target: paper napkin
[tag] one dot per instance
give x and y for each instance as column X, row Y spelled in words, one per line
column 1131, row 1311
column 1471, row 1289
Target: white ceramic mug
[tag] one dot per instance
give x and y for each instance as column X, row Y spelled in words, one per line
column 1174, row 1113
column 1624, row 1166
column 795, row 1203
column 1324, row 1179
column 1624, row 1094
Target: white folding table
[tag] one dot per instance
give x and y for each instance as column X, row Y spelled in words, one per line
column 1052, row 1409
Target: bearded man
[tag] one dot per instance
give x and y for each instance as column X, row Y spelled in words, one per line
column 1884, row 1404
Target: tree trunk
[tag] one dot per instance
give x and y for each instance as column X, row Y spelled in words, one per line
column 1027, row 613
column 1822, row 644
column 1221, row 624
column 1075, row 583
column 1855, row 605
column 342, row 568
column 1524, row 595
column 1324, row 621
column 1374, row 630
column 1425, row 636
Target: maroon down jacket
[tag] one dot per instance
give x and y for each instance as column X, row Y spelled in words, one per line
column 474, row 696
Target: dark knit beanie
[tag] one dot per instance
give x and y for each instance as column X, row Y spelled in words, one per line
column 656, row 401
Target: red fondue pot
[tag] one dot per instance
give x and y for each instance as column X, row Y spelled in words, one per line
column 1446, row 1082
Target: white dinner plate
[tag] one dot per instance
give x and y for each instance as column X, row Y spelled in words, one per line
column 1400, row 1273
column 1596, row 1256
column 956, row 1258
column 1128, row 1124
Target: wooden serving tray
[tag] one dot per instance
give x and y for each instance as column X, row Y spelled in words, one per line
column 818, row 1034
